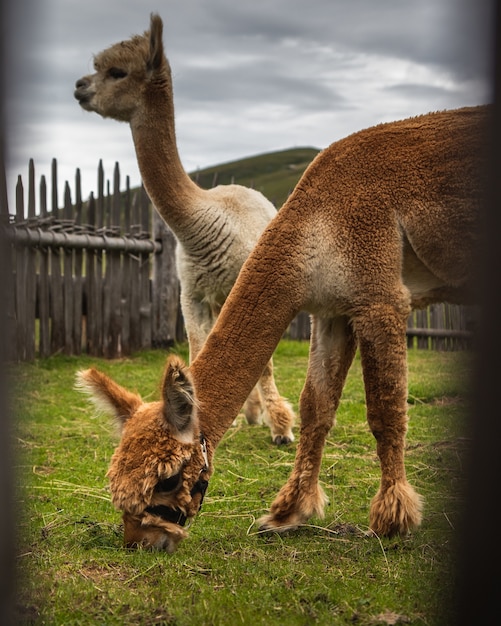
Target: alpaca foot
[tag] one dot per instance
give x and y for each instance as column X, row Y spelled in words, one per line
column 277, row 415
column 292, row 507
column 280, row 418
column 284, row 440
column 395, row 510
column 269, row 523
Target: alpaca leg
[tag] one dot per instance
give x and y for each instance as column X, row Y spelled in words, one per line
column 254, row 407
column 332, row 348
column 396, row 508
column 265, row 404
column 278, row 413
column 198, row 323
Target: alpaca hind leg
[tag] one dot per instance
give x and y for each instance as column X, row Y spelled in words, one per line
column 278, row 414
column 254, row 407
column 266, row 405
column 332, row 349
column 396, row 508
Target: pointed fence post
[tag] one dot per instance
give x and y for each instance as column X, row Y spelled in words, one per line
column 126, row 276
column 77, row 272
column 67, row 277
column 56, row 280
column 114, row 272
column 43, row 282
column 6, row 270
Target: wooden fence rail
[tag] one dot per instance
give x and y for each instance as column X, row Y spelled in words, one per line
column 99, row 276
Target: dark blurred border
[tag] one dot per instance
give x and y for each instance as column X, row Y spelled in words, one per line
column 7, row 538
column 479, row 548
column 478, row 600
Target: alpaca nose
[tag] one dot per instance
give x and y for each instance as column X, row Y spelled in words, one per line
column 82, row 82
column 82, row 91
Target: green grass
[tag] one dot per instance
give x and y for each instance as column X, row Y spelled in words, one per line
column 72, row 567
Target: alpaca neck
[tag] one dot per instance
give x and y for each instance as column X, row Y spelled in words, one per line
column 228, row 367
column 268, row 294
column 169, row 187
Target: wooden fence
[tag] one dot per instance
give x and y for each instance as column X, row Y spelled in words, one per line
column 445, row 327
column 99, row 276
column 96, row 276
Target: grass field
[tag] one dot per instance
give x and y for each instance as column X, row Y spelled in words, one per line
column 72, row 568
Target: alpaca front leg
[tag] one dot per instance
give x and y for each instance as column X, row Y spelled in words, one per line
column 396, row 508
column 302, row 496
column 332, row 348
column 278, row 413
column 298, row 500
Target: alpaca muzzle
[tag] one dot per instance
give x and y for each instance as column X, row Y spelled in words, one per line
column 82, row 92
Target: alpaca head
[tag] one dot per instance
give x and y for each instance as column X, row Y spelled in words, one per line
column 127, row 75
column 159, row 471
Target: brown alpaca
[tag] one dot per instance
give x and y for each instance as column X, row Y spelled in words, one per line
column 382, row 221
column 215, row 229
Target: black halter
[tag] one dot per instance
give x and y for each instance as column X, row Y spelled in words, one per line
column 176, row 516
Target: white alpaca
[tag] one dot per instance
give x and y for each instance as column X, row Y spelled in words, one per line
column 216, row 229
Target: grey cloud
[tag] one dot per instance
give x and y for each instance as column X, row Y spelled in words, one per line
column 248, row 84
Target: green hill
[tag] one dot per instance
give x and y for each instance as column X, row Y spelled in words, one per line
column 274, row 174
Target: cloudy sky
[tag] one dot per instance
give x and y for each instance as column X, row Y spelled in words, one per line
column 249, row 77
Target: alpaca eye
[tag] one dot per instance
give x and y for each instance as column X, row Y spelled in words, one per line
column 168, row 484
column 116, row 73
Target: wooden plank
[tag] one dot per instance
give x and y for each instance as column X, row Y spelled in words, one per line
column 99, row 259
column 56, row 285
column 448, row 321
column 410, row 325
column 67, row 279
column 103, row 202
column 20, row 268
column 435, row 322
column 422, row 322
column 78, row 266
column 126, row 275
column 90, row 285
column 114, row 272
column 43, row 282
column 432, row 320
column 30, row 285
column 7, row 269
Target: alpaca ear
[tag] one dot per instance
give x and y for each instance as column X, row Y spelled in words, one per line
column 178, row 395
column 156, row 44
column 107, row 396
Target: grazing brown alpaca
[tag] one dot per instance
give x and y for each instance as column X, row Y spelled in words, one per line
column 215, row 229
column 382, row 221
